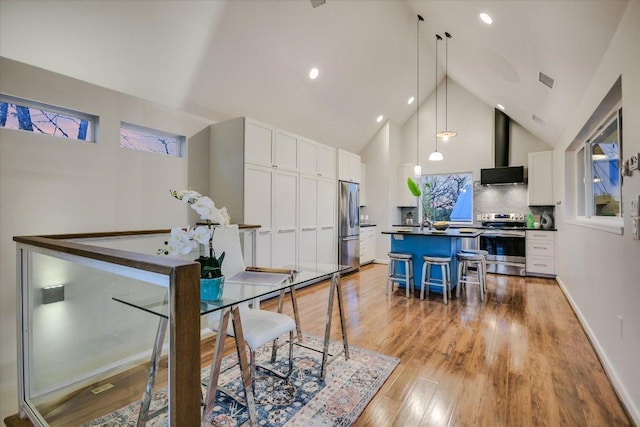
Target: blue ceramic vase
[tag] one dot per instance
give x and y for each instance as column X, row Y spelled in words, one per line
column 211, row 289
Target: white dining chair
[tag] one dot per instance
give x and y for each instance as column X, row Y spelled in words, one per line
column 259, row 327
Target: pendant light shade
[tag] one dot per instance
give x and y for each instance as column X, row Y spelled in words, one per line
column 417, row 169
column 446, row 134
column 436, row 156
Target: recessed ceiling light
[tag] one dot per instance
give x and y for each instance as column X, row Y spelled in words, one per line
column 379, row 119
column 486, row 18
column 500, row 106
column 410, row 101
column 313, row 74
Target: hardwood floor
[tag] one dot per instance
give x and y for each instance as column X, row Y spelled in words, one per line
column 519, row 358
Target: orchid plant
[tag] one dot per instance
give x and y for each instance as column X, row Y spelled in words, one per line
column 182, row 241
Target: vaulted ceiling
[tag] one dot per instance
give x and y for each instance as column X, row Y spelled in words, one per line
column 223, row 59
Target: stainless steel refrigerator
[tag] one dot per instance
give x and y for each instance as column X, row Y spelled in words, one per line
column 349, row 225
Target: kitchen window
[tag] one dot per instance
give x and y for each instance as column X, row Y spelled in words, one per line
column 30, row 116
column 139, row 138
column 598, row 171
column 448, row 197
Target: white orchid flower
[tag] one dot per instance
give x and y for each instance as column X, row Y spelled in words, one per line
column 226, row 218
column 188, row 195
column 202, row 235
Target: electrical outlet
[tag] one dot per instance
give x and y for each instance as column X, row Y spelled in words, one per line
column 635, row 228
column 478, row 217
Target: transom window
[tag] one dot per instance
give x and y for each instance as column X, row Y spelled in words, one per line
column 448, row 197
column 150, row 140
column 30, row 116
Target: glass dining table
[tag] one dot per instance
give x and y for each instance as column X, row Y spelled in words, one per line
column 246, row 287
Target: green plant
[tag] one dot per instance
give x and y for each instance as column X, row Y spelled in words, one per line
column 413, row 187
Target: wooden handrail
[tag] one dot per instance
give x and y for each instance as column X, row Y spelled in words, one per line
column 184, row 319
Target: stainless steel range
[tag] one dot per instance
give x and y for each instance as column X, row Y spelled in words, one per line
column 504, row 239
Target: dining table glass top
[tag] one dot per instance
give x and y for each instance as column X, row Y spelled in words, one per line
column 239, row 288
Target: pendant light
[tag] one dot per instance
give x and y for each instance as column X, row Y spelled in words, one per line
column 436, row 156
column 417, row 169
column 446, row 134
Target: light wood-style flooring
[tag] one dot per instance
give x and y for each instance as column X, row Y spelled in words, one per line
column 520, row 358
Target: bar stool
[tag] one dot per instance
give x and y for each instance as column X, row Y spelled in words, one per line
column 394, row 276
column 484, row 261
column 465, row 260
column 443, row 263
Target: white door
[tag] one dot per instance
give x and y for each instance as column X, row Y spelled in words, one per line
column 258, row 143
column 327, row 230
column 308, row 212
column 285, row 228
column 257, row 209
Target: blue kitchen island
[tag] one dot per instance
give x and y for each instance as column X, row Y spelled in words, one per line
column 433, row 243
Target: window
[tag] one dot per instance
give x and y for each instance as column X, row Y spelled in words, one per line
column 29, row 116
column 448, row 197
column 598, row 171
column 150, row 140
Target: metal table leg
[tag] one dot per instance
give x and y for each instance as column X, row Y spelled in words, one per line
column 212, row 386
column 143, row 416
column 335, row 287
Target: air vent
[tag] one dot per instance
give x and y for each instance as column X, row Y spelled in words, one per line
column 538, row 120
column 546, row 80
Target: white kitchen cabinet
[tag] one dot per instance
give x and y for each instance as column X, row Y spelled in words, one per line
column 316, row 159
column 308, row 219
column 348, row 166
column 540, row 253
column 540, row 181
column 285, row 151
column 266, row 146
column 405, row 198
column 363, row 184
column 244, row 177
column 327, row 245
column 326, row 161
column 367, row 244
column 257, row 205
column 285, row 214
column 258, row 143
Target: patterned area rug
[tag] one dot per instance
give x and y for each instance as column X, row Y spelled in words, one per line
column 303, row 400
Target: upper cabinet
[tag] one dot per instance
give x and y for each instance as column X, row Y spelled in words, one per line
column 405, row 198
column 540, row 187
column 348, row 166
column 266, row 146
column 316, row 159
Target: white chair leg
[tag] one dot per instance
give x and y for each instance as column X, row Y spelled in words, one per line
column 459, row 284
column 407, row 280
column 448, row 268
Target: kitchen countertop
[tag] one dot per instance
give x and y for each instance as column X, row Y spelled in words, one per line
column 449, row 232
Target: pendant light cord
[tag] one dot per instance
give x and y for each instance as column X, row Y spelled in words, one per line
column 446, row 82
column 418, row 90
column 438, row 38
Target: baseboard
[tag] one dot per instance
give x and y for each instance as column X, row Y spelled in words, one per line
column 627, row 402
column 381, row 261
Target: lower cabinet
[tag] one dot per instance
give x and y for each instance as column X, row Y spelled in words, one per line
column 540, row 253
column 367, row 244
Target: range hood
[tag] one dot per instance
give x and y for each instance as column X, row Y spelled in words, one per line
column 502, row 173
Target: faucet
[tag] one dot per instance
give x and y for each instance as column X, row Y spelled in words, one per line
column 426, row 222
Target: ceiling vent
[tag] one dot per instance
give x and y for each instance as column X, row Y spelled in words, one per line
column 316, row 3
column 538, row 120
column 546, row 80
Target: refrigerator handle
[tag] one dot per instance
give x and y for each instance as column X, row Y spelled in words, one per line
column 351, row 210
column 345, row 239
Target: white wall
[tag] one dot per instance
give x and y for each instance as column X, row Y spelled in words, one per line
column 49, row 185
column 383, row 149
column 600, row 271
